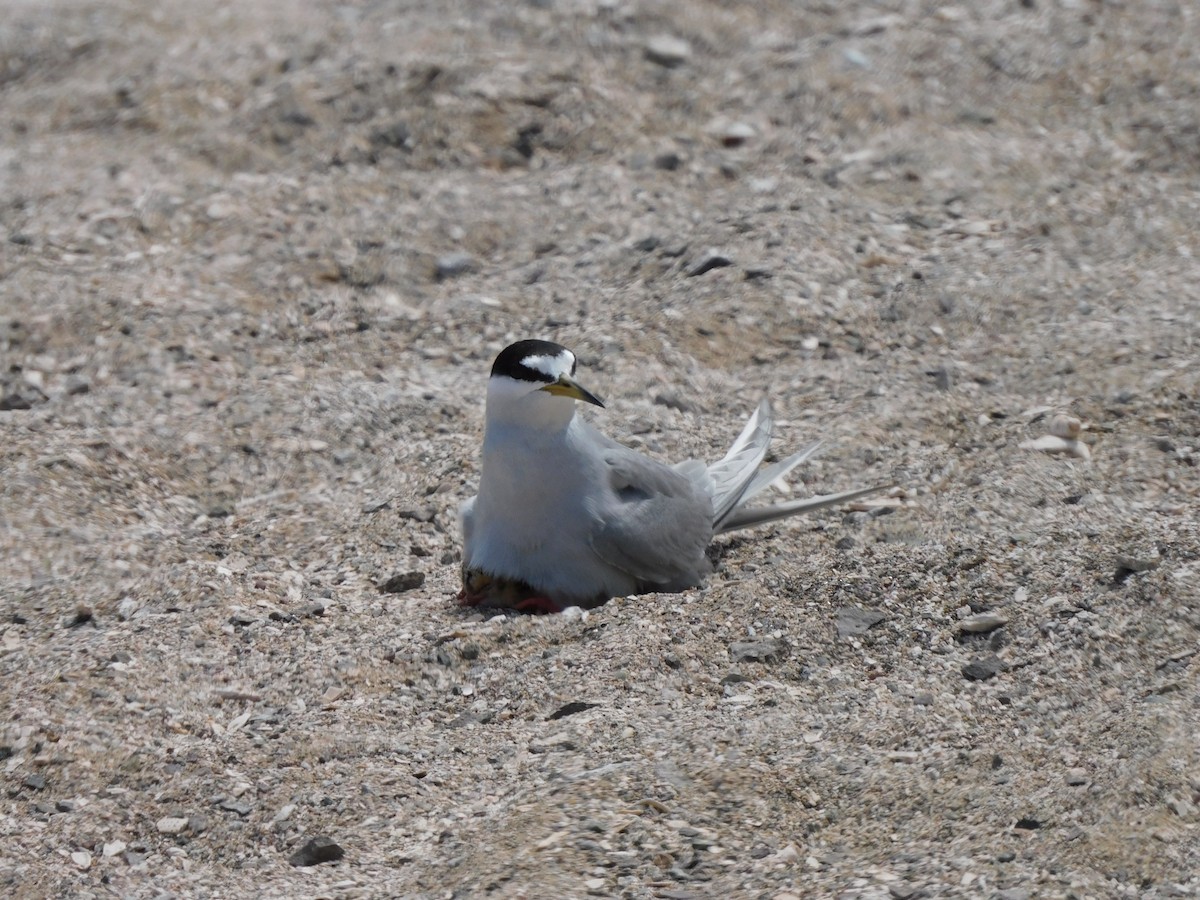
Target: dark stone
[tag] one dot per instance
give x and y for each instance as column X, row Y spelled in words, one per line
column 401, row 582
column 24, row 398
column 983, row 668
column 77, row 385
column 426, row 514
column 854, row 620
column 710, row 260
column 318, row 850
column 1132, row 565
column 943, row 379
column 453, row 265
column 396, row 135
column 35, row 782
column 569, row 709
column 235, row 806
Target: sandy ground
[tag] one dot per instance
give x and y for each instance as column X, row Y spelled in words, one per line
column 254, row 265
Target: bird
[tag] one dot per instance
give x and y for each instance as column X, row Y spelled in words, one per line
column 566, row 516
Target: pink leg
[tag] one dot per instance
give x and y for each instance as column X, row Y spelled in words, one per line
column 538, row 605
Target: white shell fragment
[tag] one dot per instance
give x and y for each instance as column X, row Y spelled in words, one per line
column 983, row 622
column 1053, row 444
column 1065, row 426
column 668, row 51
column 171, row 825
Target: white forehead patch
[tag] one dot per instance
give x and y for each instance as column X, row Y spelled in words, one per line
column 551, row 366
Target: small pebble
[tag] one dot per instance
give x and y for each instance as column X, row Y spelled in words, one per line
column 982, row 623
column 1134, row 564
column 735, row 134
column 283, row 813
column 706, row 262
column 452, row 265
column 561, row 741
column 983, row 668
column 943, row 377
column 771, row 650
column 668, row 51
column 405, row 581
column 570, row 709
column 1056, row 445
column 856, row 58
column 1065, row 426
column 854, row 620
column 82, row 859
column 171, row 825
column 318, row 850
column 76, row 385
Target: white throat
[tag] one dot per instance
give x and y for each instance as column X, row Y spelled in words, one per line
column 511, row 401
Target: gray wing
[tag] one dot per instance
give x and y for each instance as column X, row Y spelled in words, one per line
column 655, row 523
column 733, row 473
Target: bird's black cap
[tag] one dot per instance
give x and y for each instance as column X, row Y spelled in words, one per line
column 512, row 359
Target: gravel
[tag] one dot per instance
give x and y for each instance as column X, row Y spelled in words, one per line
column 253, row 270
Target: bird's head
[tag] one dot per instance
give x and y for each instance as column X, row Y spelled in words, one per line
column 533, row 383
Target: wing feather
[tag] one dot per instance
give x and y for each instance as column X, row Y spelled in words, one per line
column 734, row 471
column 655, row 524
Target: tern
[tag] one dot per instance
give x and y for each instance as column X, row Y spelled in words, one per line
column 565, row 516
